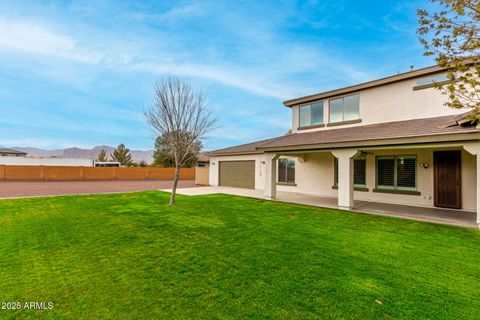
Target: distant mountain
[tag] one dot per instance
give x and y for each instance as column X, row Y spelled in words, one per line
column 137, row 155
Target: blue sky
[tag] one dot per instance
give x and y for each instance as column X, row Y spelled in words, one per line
column 79, row 73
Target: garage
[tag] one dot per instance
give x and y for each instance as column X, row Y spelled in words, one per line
column 238, row 174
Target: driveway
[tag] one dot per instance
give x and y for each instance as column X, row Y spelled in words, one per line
column 14, row 189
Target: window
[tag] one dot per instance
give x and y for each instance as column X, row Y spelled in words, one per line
column 311, row 114
column 286, row 170
column 397, row 172
column 344, row 109
column 431, row 80
column 359, row 171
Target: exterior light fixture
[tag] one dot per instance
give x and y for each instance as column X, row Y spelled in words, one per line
column 424, row 165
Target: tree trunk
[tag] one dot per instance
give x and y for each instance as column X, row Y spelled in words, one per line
column 174, row 189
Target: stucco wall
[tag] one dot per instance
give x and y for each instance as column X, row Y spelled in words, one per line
column 259, row 168
column 392, row 102
column 315, row 175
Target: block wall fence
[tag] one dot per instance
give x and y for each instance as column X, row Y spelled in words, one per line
column 57, row 173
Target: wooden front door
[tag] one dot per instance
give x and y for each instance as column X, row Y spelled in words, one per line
column 448, row 179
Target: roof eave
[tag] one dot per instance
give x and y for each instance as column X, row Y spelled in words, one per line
column 454, row 136
column 366, row 85
column 235, row 153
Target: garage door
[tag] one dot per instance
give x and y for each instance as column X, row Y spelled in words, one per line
column 239, row 174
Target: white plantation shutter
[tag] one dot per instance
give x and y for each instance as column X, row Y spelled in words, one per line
column 397, row 172
column 406, row 173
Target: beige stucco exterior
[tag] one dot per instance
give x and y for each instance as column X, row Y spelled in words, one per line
column 386, row 102
column 392, row 102
column 314, row 174
column 259, row 168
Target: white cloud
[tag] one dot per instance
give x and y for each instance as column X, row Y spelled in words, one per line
column 272, row 75
column 226, row 76
column 35, row 39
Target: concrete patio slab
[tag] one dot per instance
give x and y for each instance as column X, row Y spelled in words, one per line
column 459, row 218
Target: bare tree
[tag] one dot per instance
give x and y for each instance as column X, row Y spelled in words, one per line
column 179, row 114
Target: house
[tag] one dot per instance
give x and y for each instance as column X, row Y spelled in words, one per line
column 390, row 140
column 203, row 160
column 5, row 152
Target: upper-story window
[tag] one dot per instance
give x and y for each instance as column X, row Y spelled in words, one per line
column 311, row 115
column 430, row 80
column 344, row 109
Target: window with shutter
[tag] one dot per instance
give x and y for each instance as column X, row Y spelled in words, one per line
column 406, row 173
column 386, row 172
column 397, row 172
column 359, row 172
column 335, row 171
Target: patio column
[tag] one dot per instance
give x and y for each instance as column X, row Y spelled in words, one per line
column 271, row 175
column 345, row 177
column 474, row 149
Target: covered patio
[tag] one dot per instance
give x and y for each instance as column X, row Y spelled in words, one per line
column 417, row 207
column 459, row 218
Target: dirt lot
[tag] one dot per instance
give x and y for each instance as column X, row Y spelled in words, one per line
column 50, row 188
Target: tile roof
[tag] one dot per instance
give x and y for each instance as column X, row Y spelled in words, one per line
column 203, row 157
column 243, row 148
column 389, row 130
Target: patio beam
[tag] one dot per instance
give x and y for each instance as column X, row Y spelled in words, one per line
column 345, row 177
column 271, row 175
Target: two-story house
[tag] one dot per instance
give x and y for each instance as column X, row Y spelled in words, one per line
column 391, row 140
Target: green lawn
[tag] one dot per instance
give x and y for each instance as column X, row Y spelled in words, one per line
column 223, row 257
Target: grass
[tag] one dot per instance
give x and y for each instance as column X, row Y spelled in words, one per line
column 126, row 256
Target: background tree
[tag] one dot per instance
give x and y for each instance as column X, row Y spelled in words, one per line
column 143, row 164
column 179, row 114
column 451, row 35
column 163, row 158
column 102, row 156
column 122, row 154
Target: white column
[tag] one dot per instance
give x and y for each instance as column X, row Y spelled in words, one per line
column 345, row 177
column 478, row 189
column 271, row 175
column 474, row 149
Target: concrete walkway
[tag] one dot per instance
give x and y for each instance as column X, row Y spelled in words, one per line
column 459, row 218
